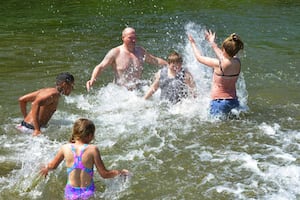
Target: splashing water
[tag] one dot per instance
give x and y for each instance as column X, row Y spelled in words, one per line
column 121, row 117
column 174, row 150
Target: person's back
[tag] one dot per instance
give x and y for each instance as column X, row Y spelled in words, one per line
column 223, row 88
column 226, row 69
column 225, row 78
column 47, row 110
column 80, row 157
column 79, row 162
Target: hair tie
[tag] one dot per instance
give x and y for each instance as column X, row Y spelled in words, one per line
column 234, row 37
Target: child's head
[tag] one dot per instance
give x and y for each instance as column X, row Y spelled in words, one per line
column 84, row 130
column 64, row 77
column 65, row 83
column 175, row 58
column 232, row 44
column 175, row 61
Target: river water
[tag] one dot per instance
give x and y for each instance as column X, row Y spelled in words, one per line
column 173, row 152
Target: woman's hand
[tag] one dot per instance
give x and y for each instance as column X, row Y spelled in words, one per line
column 191, row 39
column 210, row 36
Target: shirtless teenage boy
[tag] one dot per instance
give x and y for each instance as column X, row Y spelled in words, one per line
column 44, row 103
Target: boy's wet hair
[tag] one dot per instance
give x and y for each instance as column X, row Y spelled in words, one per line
column 64, row 77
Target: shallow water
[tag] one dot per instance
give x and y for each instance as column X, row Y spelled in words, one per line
column 174, row 152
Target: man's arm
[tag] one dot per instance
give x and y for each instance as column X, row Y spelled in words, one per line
column 107, row 61
column 153, row 60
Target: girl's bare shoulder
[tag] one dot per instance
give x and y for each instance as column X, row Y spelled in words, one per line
column 92, row 147
column 66, row 147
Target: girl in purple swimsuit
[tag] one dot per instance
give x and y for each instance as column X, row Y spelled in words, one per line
column 80, row 157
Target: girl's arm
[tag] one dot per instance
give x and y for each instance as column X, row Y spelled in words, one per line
column 104, row 173
column 53, row 164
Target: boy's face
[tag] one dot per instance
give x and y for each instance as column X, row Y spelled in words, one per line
column 175, row 66
column 67, row 88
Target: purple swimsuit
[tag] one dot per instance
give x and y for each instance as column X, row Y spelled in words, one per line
column 82, row 193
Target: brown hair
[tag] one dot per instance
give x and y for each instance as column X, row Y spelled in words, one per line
column 232, row 44
column 174, row 57
column 82, row 128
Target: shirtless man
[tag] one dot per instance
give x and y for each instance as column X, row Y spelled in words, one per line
column 44, row 103
column 127, row 61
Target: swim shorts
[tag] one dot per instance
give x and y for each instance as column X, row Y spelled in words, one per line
column 223, row 106
column 25, row 127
